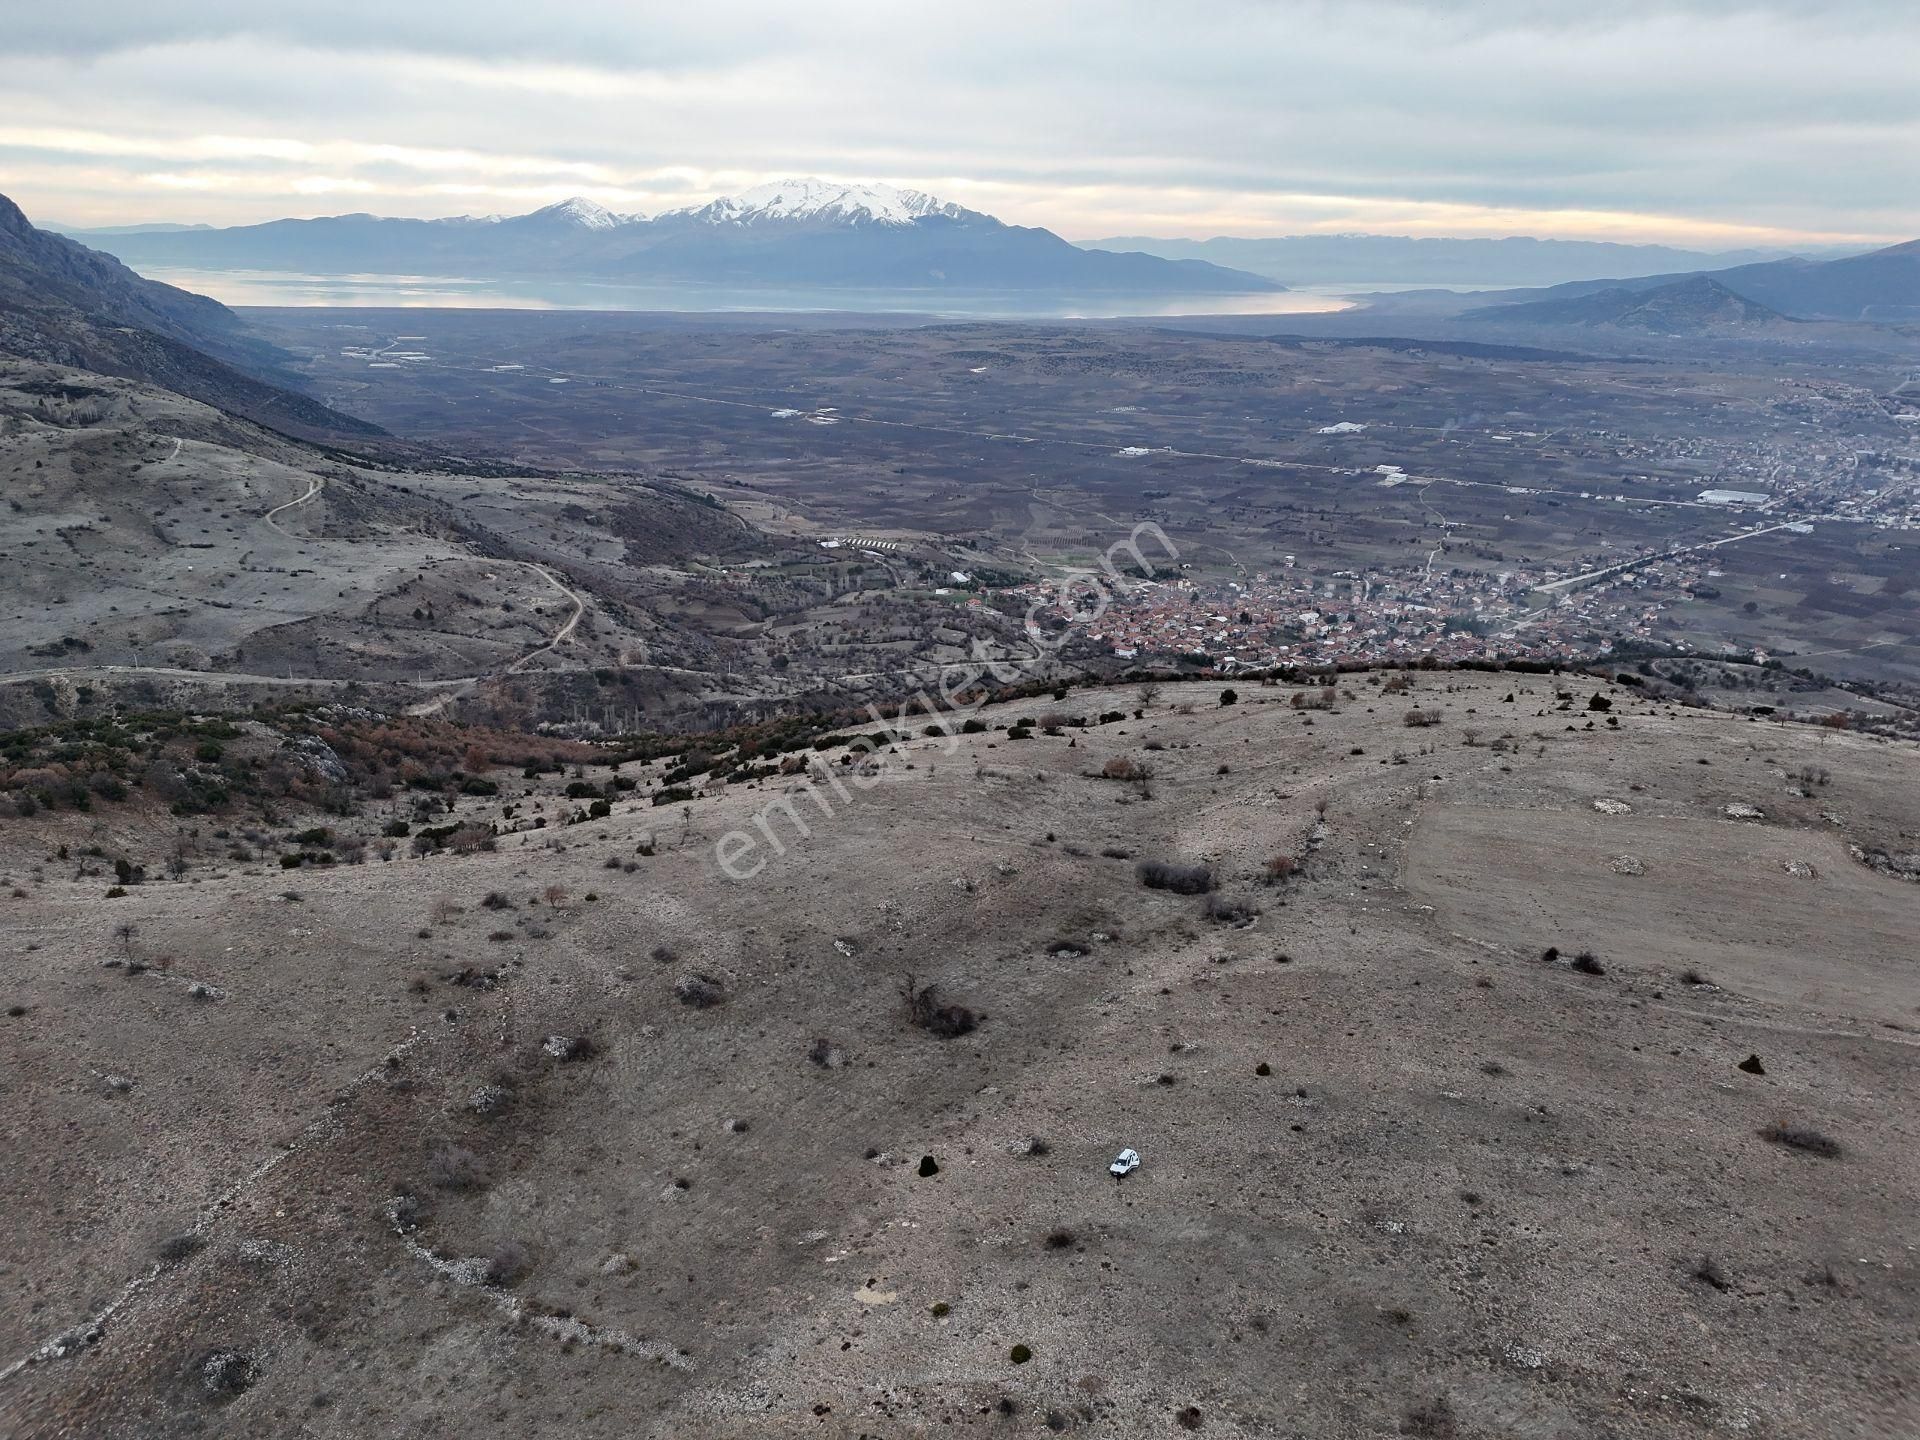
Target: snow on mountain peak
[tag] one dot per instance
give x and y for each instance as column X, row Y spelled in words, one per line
column 810, row 199
column 584, row 213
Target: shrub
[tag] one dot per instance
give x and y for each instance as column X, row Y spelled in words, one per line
column 1282, row 868
column 1588, row 964
column 496, row 901
column 925, row 1011
column 453, row 1167
column 824, row 1053
column 508, row 1265
column 1180, row 879
column 672, row 795
column 177, row 1248
column 1417, row 719
column 1600, row 702
column 1120, row 768
column 1229, row 697
column 1059, row 1238
column 1708, row 1272
column 1801, row 1137
column 1223, row 911
column 700, row 991
column 1430, row 1420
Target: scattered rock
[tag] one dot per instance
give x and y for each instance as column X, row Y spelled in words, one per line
column 1613, row 807
column 1740, row 811
column 1627, row 865
column 1800, row 868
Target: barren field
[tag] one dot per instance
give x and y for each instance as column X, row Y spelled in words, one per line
column 422, row 1147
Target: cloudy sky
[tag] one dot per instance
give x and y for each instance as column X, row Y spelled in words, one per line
column 1724, row 122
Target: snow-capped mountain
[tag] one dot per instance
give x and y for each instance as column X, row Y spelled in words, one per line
column 822, row 200
column 802, row 233
column 582, row 215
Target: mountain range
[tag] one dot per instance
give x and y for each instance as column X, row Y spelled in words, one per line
column 1442, row 261
column 794, row 232
column 1881, row 285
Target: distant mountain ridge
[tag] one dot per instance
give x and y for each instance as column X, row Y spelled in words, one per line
column 805, row 232
column 1698, row 305
column 65, row 304
column 1435, row 260
column 1881, row 285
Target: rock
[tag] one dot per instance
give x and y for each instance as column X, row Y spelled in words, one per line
column 319, row 757
column 1752, row 1065
column 1740, row 811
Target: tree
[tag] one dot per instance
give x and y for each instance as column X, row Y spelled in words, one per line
column 1148, row 693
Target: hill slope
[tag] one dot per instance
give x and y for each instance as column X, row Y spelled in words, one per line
column 1882, row 285
column 1699, row 305
column 662, row 1154
column 65, row 304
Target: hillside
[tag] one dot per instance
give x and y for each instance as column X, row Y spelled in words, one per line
column 796, row 232
column 560, row 1131
column 67, row 305
column 1882, row 285
column 1696, row 306
column 1428, row 260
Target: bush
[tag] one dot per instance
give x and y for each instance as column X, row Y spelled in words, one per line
column 496, row 901
column 1430, row 1420
column 1282, row 868
column 700, row 991
column 509, row 1264
column 1229, row 697
column 177, row 1248
column 1223, row 911
column 925, row 1011
column 452, row 1167
column 1180, row 879
column 1587, row 963
column 673, row 795
column 1708, row 1272
column 1417, row 719
column 1801, row 1137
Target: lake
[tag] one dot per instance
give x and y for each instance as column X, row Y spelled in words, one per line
column 438, row 292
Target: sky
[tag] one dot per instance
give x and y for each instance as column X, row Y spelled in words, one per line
column 1716, row 123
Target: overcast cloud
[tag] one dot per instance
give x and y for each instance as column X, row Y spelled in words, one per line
column 1701, row 121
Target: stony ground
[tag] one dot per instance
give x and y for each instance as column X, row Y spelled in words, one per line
column 664, row 1155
